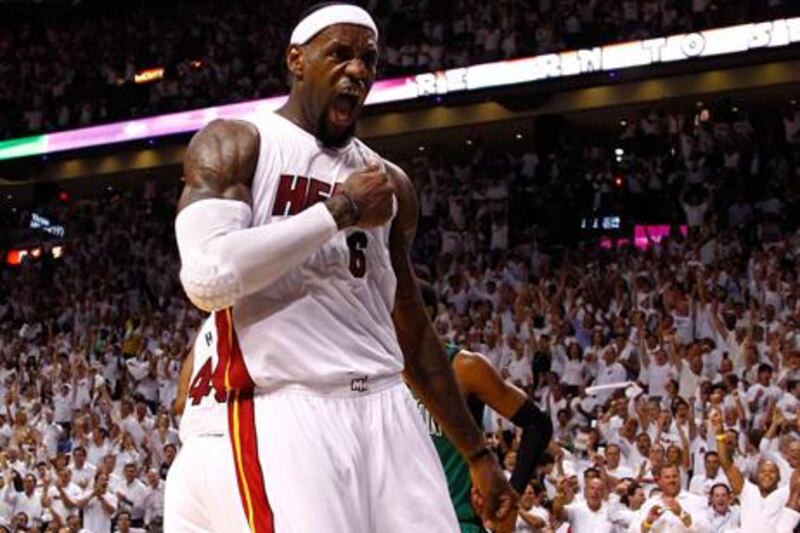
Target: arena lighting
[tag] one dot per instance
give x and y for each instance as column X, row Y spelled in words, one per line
column 611, row 58
column 148, row 75
column 644, row 236
column 17, row 256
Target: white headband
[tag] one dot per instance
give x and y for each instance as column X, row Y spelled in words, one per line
column 320, row 19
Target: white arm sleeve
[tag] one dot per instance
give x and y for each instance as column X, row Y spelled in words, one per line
column 224, row 259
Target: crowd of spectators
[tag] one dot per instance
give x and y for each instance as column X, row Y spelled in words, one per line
column 694, row 338
column 76, row 66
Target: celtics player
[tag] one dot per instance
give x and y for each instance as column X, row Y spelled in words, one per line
column 482, row 385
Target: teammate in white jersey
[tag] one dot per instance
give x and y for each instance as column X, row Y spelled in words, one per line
column 194, row 501
column 297, row 236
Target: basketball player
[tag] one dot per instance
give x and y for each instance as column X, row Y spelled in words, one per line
column 297, row 236
column 481, row 385
column 198, row 496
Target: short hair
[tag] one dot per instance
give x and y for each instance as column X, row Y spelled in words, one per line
column 709, row 453
column 667, row 466
column 78, row 449
column 764, row 367
column 717, row 485
column 677, row 402
column 632, row 488
column 590, row 473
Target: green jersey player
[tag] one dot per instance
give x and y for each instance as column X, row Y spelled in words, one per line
column 482, row 385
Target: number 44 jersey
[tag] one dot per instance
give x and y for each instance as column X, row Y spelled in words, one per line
column 206, row 412
column 327, row 322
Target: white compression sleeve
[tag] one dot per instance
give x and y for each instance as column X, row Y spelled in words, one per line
column 223, row 258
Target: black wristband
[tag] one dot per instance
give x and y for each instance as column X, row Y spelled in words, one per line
column 353, row 206
column 480, row 454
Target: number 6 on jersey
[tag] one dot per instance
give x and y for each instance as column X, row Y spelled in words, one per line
column 357, row 243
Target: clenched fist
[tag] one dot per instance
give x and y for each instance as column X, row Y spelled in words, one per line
column 367, row 199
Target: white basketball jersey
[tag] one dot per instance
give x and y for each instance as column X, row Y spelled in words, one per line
column 205, row 411
column 328, row 321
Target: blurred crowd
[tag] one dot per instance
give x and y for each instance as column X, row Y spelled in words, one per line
column 671, row 371
column 70, row 67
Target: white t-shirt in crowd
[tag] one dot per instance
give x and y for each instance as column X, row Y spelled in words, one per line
column 656, row 378
column 669, row 522
column 688, row 381
column 22, row 503
column 523, row 527
column 760, row 513
column 724, row 522
column 584, row 520
column 95, row 517
column 701, row 484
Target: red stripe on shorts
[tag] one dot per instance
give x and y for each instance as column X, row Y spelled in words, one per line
column 223, row 349
column 250, row 476
column 233, row 377
column 231, row 373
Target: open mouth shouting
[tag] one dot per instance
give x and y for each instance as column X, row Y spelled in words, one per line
column 344, row 109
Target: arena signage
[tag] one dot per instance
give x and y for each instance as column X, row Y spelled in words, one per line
column 681, row 47
column 674, row 48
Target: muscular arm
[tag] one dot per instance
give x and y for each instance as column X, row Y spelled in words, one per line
column 476, row 376
column 427, row 369
column 223, row 258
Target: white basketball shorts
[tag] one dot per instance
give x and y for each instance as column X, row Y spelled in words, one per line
column 355, row 460
column 201, row 494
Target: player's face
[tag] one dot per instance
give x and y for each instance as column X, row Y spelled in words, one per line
column 339, row 68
